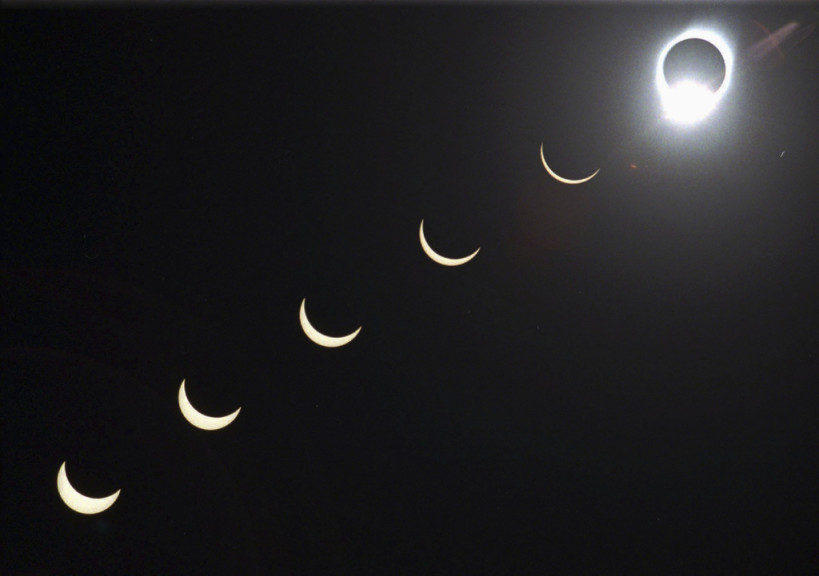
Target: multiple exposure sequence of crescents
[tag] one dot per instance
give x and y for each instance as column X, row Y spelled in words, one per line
column 87, row 505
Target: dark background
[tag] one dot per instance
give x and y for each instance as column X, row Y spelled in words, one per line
column 623, row 381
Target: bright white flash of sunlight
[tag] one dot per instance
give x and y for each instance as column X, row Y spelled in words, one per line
column 687, row 101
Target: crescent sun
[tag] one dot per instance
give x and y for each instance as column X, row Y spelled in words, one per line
column 561, row 178
column 198, row 419
column 79, row 502
column 318, row 337
column 443, row 260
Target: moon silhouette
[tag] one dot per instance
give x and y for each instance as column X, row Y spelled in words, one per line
column 198, row 419
column 561, row 178
column 318, row 337
column 78, row 502
column 443, row 260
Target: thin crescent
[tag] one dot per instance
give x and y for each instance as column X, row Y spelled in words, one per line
column 79, row 502
column 198, row 419
column 561, row 178
column 318, row 337
column 443, row 260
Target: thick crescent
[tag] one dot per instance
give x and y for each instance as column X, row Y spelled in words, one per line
column 561, row 178
column 198, row 419
column 443, row 260
column 78, row 502
column 318, row 337
column 667, row 95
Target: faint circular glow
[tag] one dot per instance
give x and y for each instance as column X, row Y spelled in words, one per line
column 687, row 102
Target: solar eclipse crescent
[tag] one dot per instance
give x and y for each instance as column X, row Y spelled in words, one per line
column 79, row 502
column 322, row 339
column 198, row 419
column 443, row 260
column 561, row 178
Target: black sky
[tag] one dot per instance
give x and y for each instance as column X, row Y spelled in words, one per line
column 623, row 381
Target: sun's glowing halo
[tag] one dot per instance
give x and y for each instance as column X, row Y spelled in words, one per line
column 688, row 101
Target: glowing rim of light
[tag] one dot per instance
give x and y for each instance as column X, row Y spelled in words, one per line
column 713, row 38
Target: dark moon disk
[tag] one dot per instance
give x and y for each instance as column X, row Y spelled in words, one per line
column 697, row 60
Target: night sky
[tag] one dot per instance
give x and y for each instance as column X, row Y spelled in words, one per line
column 623, row 381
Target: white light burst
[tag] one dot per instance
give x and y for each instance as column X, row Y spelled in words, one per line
column 687, row 101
